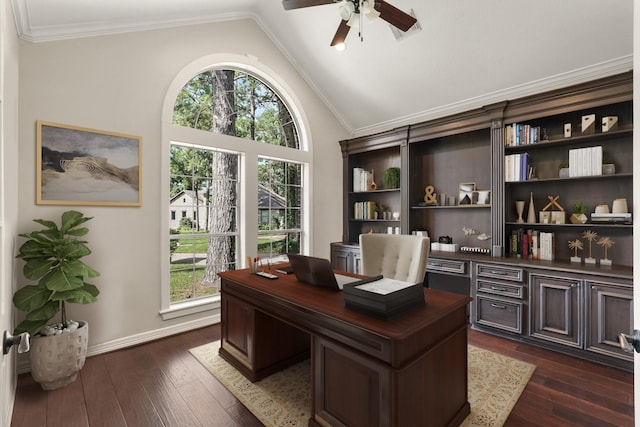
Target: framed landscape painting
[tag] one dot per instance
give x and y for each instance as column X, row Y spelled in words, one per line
column 80, row 166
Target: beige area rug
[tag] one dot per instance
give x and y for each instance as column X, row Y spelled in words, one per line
column 284, row 398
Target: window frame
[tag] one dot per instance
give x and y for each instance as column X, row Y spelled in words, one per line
column 250, row 151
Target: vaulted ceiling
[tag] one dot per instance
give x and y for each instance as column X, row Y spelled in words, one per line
column 468, row 53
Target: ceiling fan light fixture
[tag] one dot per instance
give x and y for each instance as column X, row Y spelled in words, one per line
column 346, row 10
column 373, row 14
column 353, row 20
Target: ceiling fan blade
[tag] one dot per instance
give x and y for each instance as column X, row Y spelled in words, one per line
column 394, row 16
column 341, row 34
column 298, row 4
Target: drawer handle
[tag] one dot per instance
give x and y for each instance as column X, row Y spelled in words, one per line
column 436, row 264
column 500, row 306
column 498, row 272
column 493, row 288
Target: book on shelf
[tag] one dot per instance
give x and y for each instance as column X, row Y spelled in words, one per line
column 532, row 244
column 585, row 161
column 611, row 217
column 517, row 167
column 364, row 210
column 362, row 179
column 547, row 246
column 517, row 134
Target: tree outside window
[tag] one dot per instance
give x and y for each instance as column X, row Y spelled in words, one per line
column 206, row 179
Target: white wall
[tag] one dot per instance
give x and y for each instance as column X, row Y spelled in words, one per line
column 118, row 83
column 8, row 197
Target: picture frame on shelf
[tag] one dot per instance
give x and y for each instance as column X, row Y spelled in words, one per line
column 87, row 167
column 481, row 197
column 465, row 193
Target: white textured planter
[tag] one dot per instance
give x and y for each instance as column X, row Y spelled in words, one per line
column 57, row 359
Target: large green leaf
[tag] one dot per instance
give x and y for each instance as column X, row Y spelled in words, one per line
column 31, row 326
column 73, row 250
column 36, row 268
column 78, row 296
column 45, row 313
column 72, row 219
column 92, row 289
column 35, row 249
column 31, row 297
column 60, row 280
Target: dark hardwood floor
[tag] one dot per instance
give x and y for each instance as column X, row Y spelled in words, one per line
column 161, row 384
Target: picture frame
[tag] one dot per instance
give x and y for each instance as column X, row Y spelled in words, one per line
column 83, row 166
column 482, row 197
column 465, row 193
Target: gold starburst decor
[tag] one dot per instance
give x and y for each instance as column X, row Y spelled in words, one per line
column 606, row 244
column 590, row 235
column 576, row 245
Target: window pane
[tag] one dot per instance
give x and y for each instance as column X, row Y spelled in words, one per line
column 204, row 184
column 233, row 102
column 279, row 216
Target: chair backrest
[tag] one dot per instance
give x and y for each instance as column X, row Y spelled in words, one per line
column 396, row 256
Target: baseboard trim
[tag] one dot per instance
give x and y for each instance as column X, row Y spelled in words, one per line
column 132, row 340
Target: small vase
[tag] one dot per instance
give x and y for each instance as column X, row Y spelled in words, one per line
column 520, row 210
column 578, row 218
column 531, row 217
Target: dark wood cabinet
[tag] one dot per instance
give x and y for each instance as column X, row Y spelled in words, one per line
column 556, row 307
column 499, row 294
column 345, row 257
column 568, row 306
column 610, row 312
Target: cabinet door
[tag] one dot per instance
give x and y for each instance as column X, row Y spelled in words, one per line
column 610, row 313
column 356, row 262
column 555, row 309
column 345, row 258
column 340, row 258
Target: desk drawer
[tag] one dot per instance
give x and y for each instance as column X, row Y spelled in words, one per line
column 499, row 272
column 510, row 290
column 445, row 266
column 499, row 314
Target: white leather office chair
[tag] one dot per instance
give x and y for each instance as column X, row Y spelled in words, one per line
column 395, row 256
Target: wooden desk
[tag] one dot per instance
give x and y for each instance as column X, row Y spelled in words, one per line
column 409, row 370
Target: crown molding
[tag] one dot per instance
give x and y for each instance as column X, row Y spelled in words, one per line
column 558, row 81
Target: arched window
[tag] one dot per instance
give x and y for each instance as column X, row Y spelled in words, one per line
column 237, row 173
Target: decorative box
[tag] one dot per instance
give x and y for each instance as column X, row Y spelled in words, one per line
column 383, row 305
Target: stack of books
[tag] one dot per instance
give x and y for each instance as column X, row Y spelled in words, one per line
column 364, row 210
column 624, row 218
column 532, row 244
column 585, row 161
column 362, row 180
column 521, row 134
column 517, row 167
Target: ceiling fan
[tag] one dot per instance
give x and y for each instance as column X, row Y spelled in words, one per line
column 353, row 10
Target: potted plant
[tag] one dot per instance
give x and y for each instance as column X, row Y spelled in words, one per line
column 564, row 170
column 53, row 258
column 579, row 213
column 608, row 166
column 391, row 178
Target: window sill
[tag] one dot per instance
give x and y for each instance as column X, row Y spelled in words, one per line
column 191, row 307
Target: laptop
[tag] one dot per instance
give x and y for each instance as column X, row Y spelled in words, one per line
column 318, row 272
